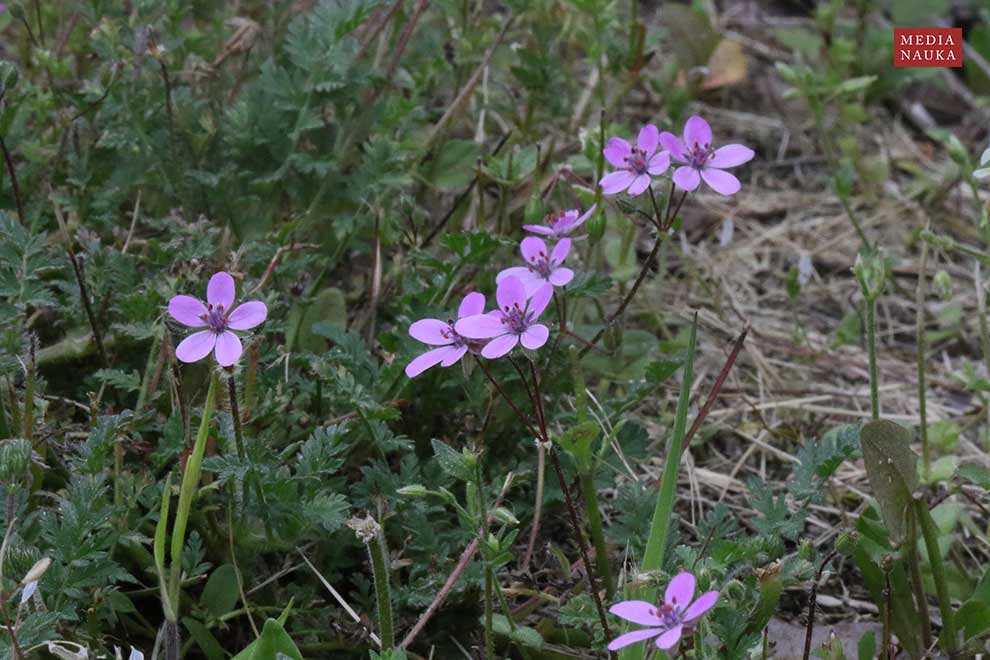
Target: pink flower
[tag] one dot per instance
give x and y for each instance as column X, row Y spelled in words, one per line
column 514, row 321
column 703, row 162
column 218, row 317
column 636, row 166
column 544, row 265
column 668, row 621
column 442, row 333
column 561, row 224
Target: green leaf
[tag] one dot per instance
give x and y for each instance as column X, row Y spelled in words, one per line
column 853, row 85
column 220, row 593
column 973, row 618
column 205, row 639
column 452, row 462
column 273, row 640
column 455, row 166
column 523, row 635
column 867, row 647
column 976, row 474
column 891, row 466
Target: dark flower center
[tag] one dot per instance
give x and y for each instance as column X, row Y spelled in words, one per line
column 215, row 317
column 699, row 155
column 637, row 162
column 671, row 616
column 516, row 319
column 542, row 265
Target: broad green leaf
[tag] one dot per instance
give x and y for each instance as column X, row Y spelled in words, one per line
column 273, row 640
column 973, row 618
column 891, row 466
column 208, row 644
column 220, row 593
column 452, row 462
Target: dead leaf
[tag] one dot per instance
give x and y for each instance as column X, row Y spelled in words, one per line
column 727, row 65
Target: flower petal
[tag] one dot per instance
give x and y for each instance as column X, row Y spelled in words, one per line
column 228, row 349
column 580, row 221
column 680, row 591
column 428, row 359
column 721, row 181
column 538, row 229
column 704, row 603
column 637, row 611
column 220, row 290
column 560, row 251
column 196, row 346
column 674, row 145
column 561, row 276
column 454, row 353
column 985, row 156
column 521, row 273
column 533, row 249
column 187, row 311
column 730, row 155
column 540, row 300
column 510, row 292
column 659, row 163
column 697, row 132
column 480, row 326
column 498, row 347
column 686, row 178
column 981, row 173
column 641, row 183
column 648, row 139
column 431, row 331
column 247, row 315
column 535, row 336
column 670, row 638
column 616, row 181
column 616, row 150
column 473, row 303
column 633, row 637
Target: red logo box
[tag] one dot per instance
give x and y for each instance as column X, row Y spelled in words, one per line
column 941, row 47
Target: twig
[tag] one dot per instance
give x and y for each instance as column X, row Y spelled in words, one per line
column 460, row 198
column 717, row 385
column 13, row 180
column 462, row 563
column 407, row 32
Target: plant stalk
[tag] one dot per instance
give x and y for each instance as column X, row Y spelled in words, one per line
column 871, row 347
column 930, row 532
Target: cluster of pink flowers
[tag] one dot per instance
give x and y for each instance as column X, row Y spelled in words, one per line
column 523, row 292
column 636, row 168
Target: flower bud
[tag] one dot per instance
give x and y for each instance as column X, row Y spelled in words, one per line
column 533, row 213
column 871, row 273
column 504, row 516
column 596, row 225
column 413, row 490
column 37, row 571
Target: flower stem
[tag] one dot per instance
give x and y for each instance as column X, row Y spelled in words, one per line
column 930, row 532
column 579, row 537
column 921, row 348
column 489, row 615
column 12, row 171
column 534, row 530
column 871, row 347
column 187, row 492
column 235, row 415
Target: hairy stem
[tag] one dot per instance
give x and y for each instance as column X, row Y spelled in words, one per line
column 871, row 348
column 235, row 415
column 378, row 553
column 13, row 180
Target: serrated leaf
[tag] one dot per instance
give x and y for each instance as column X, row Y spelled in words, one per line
column 578, row 441
column 891, row 466
column 452, row 462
